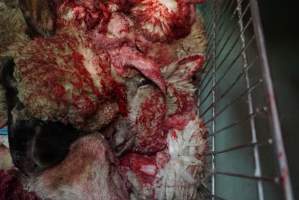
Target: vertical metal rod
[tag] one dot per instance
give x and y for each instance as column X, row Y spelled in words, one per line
column 274, row 118
column 254, row 139
column 214, row 99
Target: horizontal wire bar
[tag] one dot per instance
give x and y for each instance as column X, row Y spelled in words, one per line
column 203, row 189
column 234, row 148
column 239, row 19
column 227, row 7
column 234, row 124
column 238, row 147
column 234, row 12
column 230, row 35
column 244, row 11
column 208, row 50
column 237, row 79
column 234, row 101
column 227, row 55
column 222, row 47
column 208, row 63
column 208, row 29
column 232, row 46
column 228, row 39
column 209, row 193
column 215, row 18
column 211, row 23
column 262, row 178
column 227, row 70
column 220, row 27
column 226, row 91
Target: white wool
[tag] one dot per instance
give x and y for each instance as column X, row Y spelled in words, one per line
column 99, row 180
column 182, row 85
column 175, row 181
column 117, row 24
column 69, row 15
column 175, row 73
column 170, row 4
column 149, row 169
column 90, row 63
column 137, row 100
column 154, row 28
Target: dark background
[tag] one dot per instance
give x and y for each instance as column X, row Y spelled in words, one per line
column 281, row 28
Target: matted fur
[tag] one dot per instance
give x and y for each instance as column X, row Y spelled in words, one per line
column 5, row 158
column 12, row 25
column 88, row 172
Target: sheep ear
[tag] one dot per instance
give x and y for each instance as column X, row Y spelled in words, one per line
column 130, row 57
column 40, row 17
column 180, row 83
column 183, row 69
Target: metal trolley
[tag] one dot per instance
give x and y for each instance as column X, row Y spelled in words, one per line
column 237, row 102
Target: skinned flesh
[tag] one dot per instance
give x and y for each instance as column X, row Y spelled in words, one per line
column 121, row 68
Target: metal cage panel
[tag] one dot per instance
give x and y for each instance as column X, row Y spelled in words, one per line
column 237, row 102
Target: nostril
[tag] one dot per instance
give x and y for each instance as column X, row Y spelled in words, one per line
column 52, row 143
column 37, row 145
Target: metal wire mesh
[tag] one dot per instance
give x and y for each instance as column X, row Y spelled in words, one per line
column 236, row 101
